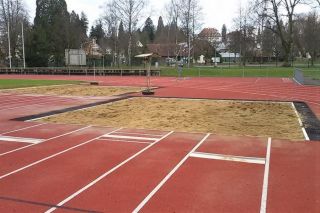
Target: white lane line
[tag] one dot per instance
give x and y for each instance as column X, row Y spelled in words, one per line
column 20, row 140
column 135, row 133
column 105, row 175
column 15, row 150
column 305, row 134
column 51, row 156
column 156, row 189
column 264, row 196
column 130, row 137
column 228, row 158
column 16, row 130
column 297, row 82
column 125, row 141
column 68, row 133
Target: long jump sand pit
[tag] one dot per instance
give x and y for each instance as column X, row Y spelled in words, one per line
column 78, row 90
column 277, row 120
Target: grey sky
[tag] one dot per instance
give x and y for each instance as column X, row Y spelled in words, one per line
column 215, row 12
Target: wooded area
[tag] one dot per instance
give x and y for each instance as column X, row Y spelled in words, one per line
column 262, row 29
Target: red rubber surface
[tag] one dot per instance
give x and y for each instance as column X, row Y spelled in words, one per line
column 27, row 156
column 123, row 190
column 200, row 185
column 210, row 186
column 294, row 184
column 7, row 126
column 232, row 145
column 67, row 173
column 45, row 131
column 8, row 146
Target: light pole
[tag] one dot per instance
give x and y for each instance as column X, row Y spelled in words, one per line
column 9, row 44
column 259, row 49
column 23, row 50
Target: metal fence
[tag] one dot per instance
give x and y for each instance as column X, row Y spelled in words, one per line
column 307, row 77
column 80, row 71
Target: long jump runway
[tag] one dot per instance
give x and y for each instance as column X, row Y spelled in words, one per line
column 122, row 170
column 73, row 168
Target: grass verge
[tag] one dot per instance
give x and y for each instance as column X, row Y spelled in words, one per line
column 22, row 83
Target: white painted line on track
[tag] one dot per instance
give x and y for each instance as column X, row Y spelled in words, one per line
column 20, row 140
column 136, row 133
column 125, row 141
column 130, row 137
column 264, row 197
column 156, row 189
column 16, row 130
column 297, row 82
column 305, row 134
column 51, row 156
column 105, row 175
column 68, row 133
column 228, row 158
column 297, row 114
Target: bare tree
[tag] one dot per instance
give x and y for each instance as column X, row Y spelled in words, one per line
column 112, row 21
column 12, row 15
column 280, row 13
column 173, row 15
column 190, row 16
column 130, row 11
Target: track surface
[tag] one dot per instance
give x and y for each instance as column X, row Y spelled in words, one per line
column 72, row 168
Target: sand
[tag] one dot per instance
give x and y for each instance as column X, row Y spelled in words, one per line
column 77, row 90
column 262, row 119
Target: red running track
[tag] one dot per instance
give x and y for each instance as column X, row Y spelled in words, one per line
column 277, row 89
column 100, row 169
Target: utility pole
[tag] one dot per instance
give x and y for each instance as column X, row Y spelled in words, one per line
column 9, row 44
column 23, row 50
column 189, row 32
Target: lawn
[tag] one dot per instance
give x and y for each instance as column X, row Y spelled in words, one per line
column 280, row 72
column 21, row 83
column 256, row 71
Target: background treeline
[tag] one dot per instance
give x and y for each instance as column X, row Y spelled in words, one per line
column 262, row 28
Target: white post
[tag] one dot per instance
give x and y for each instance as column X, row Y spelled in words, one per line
column 9, row 44
column 23, row 50
column 94, row 70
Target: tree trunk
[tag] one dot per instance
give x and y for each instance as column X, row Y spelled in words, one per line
column 129, row 49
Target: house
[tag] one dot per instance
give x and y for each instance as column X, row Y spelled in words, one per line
column 211, row 35
column 230, row 57
column 92, row 49
column 169, row 51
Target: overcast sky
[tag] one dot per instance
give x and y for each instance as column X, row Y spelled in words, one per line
column 215, row 12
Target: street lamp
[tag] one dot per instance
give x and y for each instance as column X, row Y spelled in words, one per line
column 259, row 49
column 9, row 44
column 23, row 51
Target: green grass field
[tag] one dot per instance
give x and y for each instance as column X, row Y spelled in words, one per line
column 278, row 72
column 20, row 83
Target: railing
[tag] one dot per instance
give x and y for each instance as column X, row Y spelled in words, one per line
column 80, row 71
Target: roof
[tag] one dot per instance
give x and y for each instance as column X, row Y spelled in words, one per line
column 209, row 33
column 168, row 50
column 146, row 55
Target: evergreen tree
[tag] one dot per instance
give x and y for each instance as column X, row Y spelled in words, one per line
column 149, row 29
column 162, row 32
column 49, row 35
column 84, row 24
column 97, row 32
column 224, row 33
column 123, row 40
column 160, row 26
